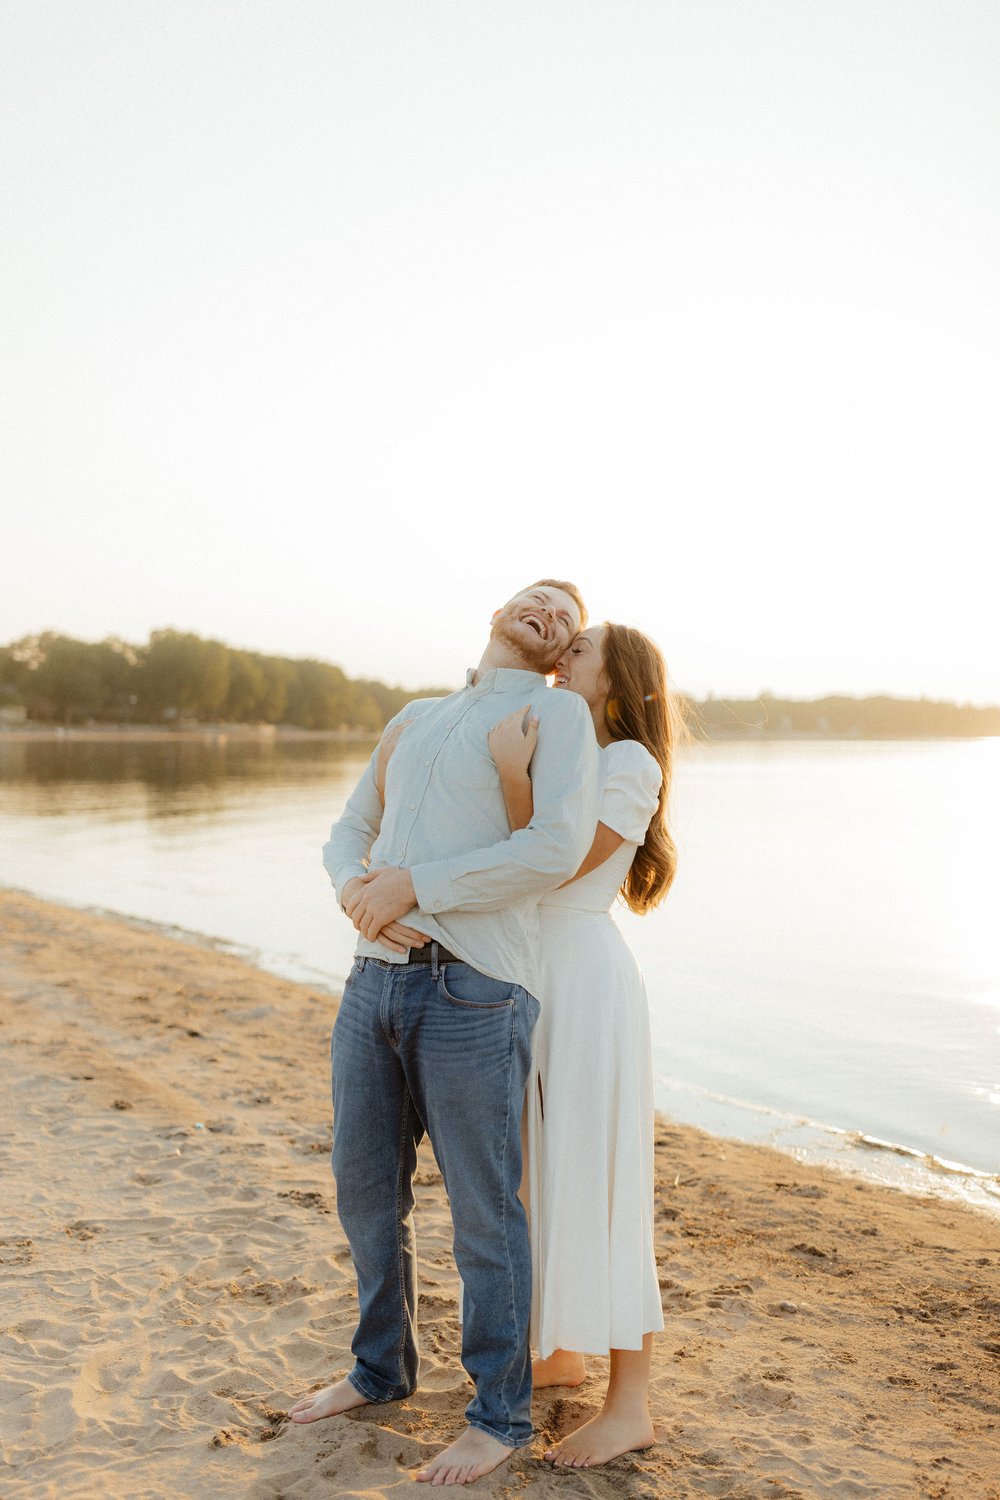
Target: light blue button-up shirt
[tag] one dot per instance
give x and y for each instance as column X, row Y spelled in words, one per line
column 477, row 884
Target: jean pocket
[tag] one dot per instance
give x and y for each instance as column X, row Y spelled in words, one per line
column 461, row 984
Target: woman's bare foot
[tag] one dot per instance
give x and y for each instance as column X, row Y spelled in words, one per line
column 469, row 1457
column 562, row 1367
column 604, row 1437
column 329, row 1402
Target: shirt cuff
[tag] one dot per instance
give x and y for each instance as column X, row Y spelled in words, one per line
column 432, row 885
column 340, row 879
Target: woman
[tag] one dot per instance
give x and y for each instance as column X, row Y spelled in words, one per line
column 589, row 1147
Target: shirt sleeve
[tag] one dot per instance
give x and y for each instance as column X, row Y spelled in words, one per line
column 631, row 790
column 346, row 852
column 564, row 774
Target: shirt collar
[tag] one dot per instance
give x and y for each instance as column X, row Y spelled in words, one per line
column 505, row 680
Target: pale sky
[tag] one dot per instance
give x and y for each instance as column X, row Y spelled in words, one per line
column 327, row 326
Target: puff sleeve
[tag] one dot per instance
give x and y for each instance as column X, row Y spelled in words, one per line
column 630, row 791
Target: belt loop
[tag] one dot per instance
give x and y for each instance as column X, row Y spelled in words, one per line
column 434, row 962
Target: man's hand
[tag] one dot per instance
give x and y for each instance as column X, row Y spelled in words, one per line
column 355, row 884
column 398, row 938
column 374, row 900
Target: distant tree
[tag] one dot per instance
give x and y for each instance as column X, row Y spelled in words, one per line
column 389, row 700
column 10, row 673
column 247, row 691
column 120, row 673
column 67, row 683
column 182, row 674
column 317, row 695
column 66, row 680
column 843, row 717
column 277, row 673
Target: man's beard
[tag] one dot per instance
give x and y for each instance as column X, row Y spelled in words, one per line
column 537, row 655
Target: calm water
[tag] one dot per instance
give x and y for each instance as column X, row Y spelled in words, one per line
column 830, row 952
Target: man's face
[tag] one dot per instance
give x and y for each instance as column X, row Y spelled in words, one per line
column 538, row 625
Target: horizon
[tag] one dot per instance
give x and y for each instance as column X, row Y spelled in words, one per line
column 386, row 680
column 332, row 326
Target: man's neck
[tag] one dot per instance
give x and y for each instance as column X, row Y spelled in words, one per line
column 499, row 655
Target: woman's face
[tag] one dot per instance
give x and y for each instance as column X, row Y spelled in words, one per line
column 581, row 667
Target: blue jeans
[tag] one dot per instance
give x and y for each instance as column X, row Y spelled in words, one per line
column 446, row 1049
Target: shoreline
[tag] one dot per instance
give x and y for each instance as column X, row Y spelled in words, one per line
column 179, row 1275
column 855, row 1152
column 264, row 734
column 351, row 735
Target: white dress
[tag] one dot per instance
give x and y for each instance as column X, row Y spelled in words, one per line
column 589, row 1108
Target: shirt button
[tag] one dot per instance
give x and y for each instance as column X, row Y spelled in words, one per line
column 413, row 807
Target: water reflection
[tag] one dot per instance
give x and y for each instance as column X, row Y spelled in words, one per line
column 162, row 777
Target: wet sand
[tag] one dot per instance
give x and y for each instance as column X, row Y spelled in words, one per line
column 175, row 1275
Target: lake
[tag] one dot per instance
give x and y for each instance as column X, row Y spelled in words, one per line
column 826, row 968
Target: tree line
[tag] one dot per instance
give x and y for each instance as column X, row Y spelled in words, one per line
column 879, row 717
column 180, row 677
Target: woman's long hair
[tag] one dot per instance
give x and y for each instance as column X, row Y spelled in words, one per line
column 641, row 707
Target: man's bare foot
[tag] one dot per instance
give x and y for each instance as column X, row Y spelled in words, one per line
column 604, row 1437
column 329, row 1402
column 469, row 1457
column 562, row 1367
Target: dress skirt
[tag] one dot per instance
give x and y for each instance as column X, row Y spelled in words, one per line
column 588, row 1138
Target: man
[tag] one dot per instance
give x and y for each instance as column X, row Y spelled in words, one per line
column 436, row 1035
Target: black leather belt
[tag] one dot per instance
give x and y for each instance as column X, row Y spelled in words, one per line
column 424, row 955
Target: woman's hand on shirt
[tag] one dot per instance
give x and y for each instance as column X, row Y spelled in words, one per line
column 512, row 741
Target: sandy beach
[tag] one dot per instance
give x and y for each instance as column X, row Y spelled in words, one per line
column 175, row 1275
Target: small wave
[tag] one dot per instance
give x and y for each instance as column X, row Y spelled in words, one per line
column 815, row 1140
column 926, row 1158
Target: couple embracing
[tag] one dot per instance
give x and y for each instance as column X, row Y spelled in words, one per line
column 493, row 998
